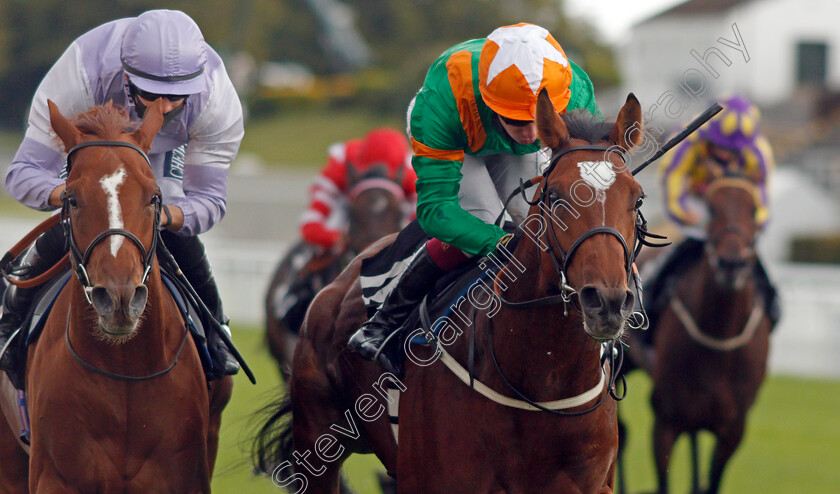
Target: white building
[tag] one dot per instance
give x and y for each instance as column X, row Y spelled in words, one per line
column 763, row 49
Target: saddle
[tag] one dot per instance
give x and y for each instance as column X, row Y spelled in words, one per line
column 443, row 305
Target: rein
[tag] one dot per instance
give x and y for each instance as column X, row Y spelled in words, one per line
column 5, row 264
column 121, row 377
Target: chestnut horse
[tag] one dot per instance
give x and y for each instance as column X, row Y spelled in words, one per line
column 109, row 409
column 375, row 210
column 711, row 341
column 529, row 347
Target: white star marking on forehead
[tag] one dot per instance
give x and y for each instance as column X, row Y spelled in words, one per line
column 110, row 184
column 526, row 48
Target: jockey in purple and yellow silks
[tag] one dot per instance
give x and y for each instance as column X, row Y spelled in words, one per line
column 730, row 144
column 473, row 133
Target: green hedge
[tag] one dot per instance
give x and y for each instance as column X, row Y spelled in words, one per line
column 814, row 248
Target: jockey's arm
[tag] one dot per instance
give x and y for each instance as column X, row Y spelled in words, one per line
column 439, row 213
column 34, row 176
column 325, row 195
column 676, row 182
column 760, row 168
column 214, row 141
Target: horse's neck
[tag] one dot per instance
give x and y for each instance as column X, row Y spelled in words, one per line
column 537, row 346
column 730, row 304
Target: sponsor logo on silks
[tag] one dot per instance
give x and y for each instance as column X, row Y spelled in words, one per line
column 173, row 163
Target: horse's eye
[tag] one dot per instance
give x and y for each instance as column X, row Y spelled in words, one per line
column 639, row 202
column 71, row 200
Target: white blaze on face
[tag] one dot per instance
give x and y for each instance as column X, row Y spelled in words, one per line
column 600, row 176
column 110, row 184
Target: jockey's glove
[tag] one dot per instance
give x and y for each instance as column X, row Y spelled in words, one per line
column 508, row 241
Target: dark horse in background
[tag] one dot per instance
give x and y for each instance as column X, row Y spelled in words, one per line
column 560, row 298
column 710, row 341
column 375, row 210
column 109, row 409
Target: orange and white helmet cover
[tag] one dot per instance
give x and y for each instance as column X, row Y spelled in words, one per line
column 516, row 63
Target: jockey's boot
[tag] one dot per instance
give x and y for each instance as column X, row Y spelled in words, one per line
column 205, row 286
column 191, row 257
column 416, row 281
column 16, row 303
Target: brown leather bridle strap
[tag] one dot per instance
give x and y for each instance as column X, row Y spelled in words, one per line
column 21, row 246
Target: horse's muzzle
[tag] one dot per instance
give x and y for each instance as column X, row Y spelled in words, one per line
column 119, row 308
column 605, row 310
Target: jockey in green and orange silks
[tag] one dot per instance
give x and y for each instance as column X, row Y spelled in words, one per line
column 474, row 138
column 457, row 112
column 730, row 144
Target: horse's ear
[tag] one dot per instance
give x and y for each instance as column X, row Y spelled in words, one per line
column 550, row 127
column 63, row 127
column 152, row 122
column 627, row 131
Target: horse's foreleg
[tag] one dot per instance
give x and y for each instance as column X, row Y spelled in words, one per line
column 220, row 393
column 319, row 476
column 664, row 437
column 622, row 444
column 695, row 465
column 725, row 447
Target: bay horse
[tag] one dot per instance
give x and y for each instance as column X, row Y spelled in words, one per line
column 109, row 409
column 711, row 340
column 375, row 210
column 501, row 436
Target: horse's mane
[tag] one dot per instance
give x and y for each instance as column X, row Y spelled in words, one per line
column 584, row 125
column 107, row 121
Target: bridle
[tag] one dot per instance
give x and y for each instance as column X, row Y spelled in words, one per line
column 81, row 259
column 562, row 259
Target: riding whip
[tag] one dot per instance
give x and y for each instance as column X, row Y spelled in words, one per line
column 697, row 122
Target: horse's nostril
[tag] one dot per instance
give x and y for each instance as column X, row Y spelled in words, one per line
column 628, row 304
column 138, row 301
column 590, row 299
column 102, row 300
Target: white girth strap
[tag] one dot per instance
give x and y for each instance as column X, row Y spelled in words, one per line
column 719, row 344
column 501, row 399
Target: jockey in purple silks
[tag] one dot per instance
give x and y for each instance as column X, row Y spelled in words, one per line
column 160, row 54
column 730, row 145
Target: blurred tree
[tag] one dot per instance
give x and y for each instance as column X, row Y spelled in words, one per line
column 34, row 33
column 404, row 37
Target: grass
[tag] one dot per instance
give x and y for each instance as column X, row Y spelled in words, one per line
column 790, row 445
column 240, row 422
column 301, row 139
column 297, row 139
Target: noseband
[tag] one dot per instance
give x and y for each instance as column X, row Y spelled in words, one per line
column 81, row 259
